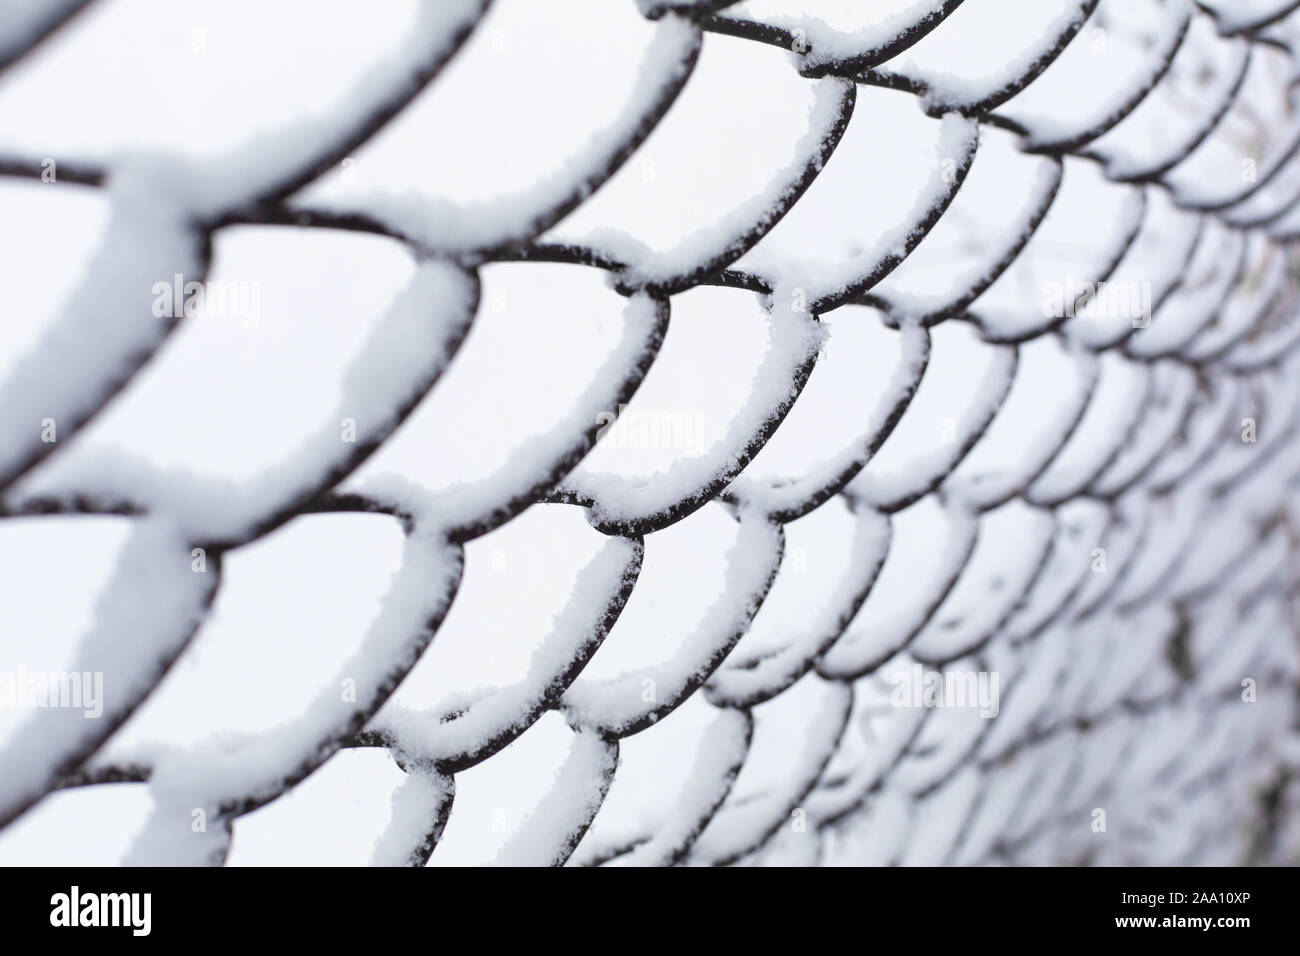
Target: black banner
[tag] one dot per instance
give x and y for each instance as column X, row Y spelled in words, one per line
column 936, row 904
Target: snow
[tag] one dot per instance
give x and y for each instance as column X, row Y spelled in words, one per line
column 1060, row 261
column 757, row 671
column 1243, row 15
column 69, row 370
column 1164, row 418
column 145, row 615
column 341, row 815
column 845, row 234
column 24, row 21
column 405, row 352
column 1019, row 444
column 1207, row 74
column 793, row 339
column 723, row 213
column 634, row 699
column 806, row 722
column 625, row 403
column 971, row 381
column 1001, row 202
column 254, row 137
column 929, row 560
column 465, row 731
column 958, row 74
column 1105, row 73
column 788, row 478
column 440, row 216
column 833, row 33
column 211, row 774
column 1116, row 401
column 649, row 816
column 992, row 584
column 550, row 833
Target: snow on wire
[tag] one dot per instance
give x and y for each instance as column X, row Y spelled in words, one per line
column 1124, row 577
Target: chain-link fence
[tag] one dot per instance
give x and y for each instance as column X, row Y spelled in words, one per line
column 939, row 456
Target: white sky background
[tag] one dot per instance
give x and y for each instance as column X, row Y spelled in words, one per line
column 518, row 104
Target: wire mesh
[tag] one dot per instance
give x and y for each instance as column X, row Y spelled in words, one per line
column 1124, row 578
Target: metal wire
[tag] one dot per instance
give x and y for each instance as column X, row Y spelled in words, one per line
column 1119, row 652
